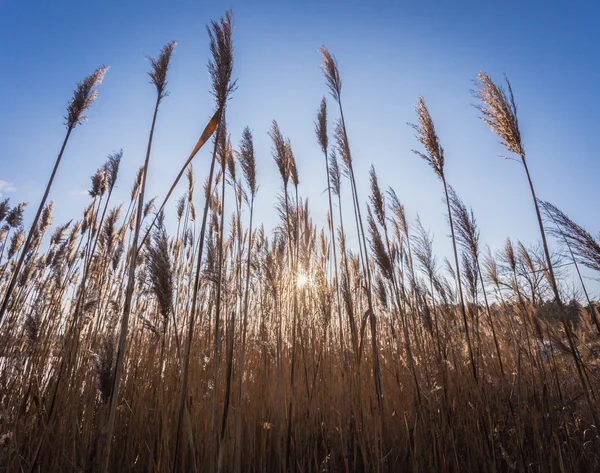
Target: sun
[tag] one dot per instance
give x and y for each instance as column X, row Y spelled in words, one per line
column 302, row 280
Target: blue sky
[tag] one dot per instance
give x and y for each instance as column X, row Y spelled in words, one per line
column 389, row 53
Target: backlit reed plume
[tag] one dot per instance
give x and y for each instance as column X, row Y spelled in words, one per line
column 499, row 110
column 159, row 269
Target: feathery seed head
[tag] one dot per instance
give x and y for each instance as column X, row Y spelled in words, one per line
column 84, row 97
column 59, row 233
column 99, row 183
column 189, row 173
column 280, row 153
column 321, row 126
column 334, row 173
column 578, row 239
column 230, row 161
column 46, row 218
column 491, row 266
column 343, row 147
column 180, row 207
column 467, row 233
column 247, row 159
column 160, row 66
column 149, row 207
column 137, row 183
column 499, row 111
column 426, row 135
column 4, row 209
column 32, row 325
column 291, row 161
column 14, row 218
column 509, row 252
column 331, row 73
column 377, row 198
column 159, row 268
column 382, row 257
column 220, row 66
column 398, row 210
column 111, row 167
column 16, row 243
column 104, row 365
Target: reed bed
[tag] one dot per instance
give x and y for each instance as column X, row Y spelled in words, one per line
column 127, row 345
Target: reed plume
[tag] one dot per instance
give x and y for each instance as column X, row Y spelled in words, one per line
column 84, row 97
column 159, row 269
column 159, row 68
column 4, row 209
column 584, row 245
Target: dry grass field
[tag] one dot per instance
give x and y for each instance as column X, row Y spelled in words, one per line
column 130, row 345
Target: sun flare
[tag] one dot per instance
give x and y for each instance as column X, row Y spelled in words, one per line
column 302, row 280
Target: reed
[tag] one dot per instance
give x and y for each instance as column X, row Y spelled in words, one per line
column 82, row 100
column 158, row 76
column 434, row 156
column 134, row 341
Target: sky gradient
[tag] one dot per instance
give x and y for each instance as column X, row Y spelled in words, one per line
column 389, row 54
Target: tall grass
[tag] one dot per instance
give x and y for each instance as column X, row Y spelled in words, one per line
column 127, row 345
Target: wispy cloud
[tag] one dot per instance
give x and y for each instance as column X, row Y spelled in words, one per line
column 6, row 186
column 79, row 192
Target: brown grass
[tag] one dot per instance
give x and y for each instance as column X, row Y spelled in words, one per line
column 216, row 346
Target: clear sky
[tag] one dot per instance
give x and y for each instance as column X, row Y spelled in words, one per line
column 389, row 53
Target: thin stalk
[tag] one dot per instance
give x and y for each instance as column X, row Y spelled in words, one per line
column 193, row 310
column 24, row 250
column 459, row 283
column 120, row 361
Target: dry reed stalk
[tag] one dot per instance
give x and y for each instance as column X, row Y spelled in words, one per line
column 499, row 111
column 434, row 156
column 248, row 163
column 220, row 68
column 334, row 83
column 323, row 139
column 158, row 76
